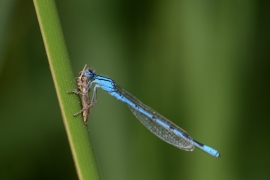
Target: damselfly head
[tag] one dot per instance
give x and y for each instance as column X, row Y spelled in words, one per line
column 89, row 73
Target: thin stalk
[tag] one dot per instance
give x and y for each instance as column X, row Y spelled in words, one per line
column 63, row 78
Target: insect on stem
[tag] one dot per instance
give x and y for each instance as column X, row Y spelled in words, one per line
column 82, row 83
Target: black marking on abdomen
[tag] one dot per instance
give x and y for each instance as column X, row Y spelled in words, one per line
column 172, row 127
column 198, row 143
column 186, row 135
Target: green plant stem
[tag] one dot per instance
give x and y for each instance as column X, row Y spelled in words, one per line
column 63, row 78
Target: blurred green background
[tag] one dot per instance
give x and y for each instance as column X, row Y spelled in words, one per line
column 202, row 64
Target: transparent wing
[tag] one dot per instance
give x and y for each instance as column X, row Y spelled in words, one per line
column 163, row 133
column 156, row 123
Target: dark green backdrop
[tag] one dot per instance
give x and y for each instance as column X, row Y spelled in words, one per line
column 202, row 64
